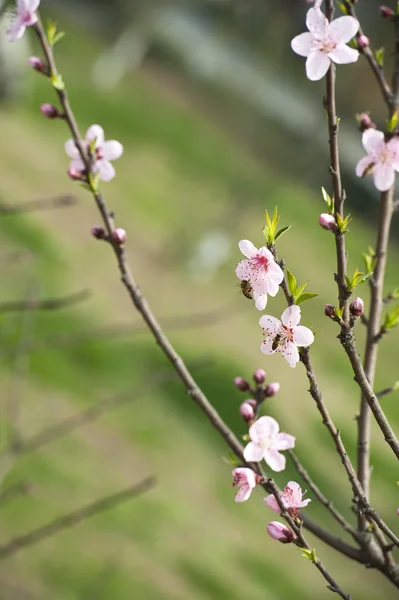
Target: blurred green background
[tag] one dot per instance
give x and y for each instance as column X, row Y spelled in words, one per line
column 218, row 123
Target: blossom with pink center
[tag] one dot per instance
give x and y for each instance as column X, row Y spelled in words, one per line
column 104, row 152
column 286, row 335
column 25, row 16
column 325, row 42
column 261, row 271
column 246, row 480
column 266, row 443
column 382, row 159
column 291, row 498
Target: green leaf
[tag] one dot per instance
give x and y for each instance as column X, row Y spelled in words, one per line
column 304, row 297
column 58, row 37
column 231, row 459
column 291, row 283
column 342, row 7
column 281, row 232
column 392, row 122
column 395, row 386
column 392, row 319
column 302, row 287
column 51, row 30
column 328, row 200
column 57, row 81
column 379, row 55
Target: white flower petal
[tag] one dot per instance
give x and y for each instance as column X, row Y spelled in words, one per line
column 273, row 287
column 78, row 164
column 303, row 336
column 95, row 132
column 363, row 165
column 275, row 272
column 302, row 44
column 270, row 324
column 267, row 346
column 284, row 441
column 32, row 5
column 253, row 453
column 317, row 23
column 105, row 170
column 16, row 31
column 275, row 460
column 271, row 502
column 263, row 428
column 373, row 141
column 244, row 270
column 260, row 300
column 317, row 65
column 344, row 29
column 247, row 248
column 291, row 316
column 71, row 149
column 384, row 177
column 112, row 150
column 343, row 55
column 296, row 492
column 290, row 353
column 243, row 493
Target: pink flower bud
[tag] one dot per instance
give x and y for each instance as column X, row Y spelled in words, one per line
column 253, row 403
column 272, row 389
column 50, row 111
column 119, row 236
column 386, row 12
column 247, row 412
column 328, row 222
column 356, row 307
column 241, row 384
column 37, row 63
column 397, row 511
column 329, row 311
column 75, row 174
column 363, row 41
column 98, row 232
column 365, row 122
column 280, row 532
column 259, row 376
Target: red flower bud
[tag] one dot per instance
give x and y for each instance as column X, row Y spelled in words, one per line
column 38, row 64
column 329, row 311
column 98, row 232
column 328, row 222
column 272, row 389
column 280, row 532
column 365, row 122
column 119, row 236
column 241, row 384
column 259, row 376
column 386, row 12
column 50, row 111
column 363, row 41
column 356, row 307
column 247, row 412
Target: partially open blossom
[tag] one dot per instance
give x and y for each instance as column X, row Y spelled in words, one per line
column 280, row 532
column 259, row 376
column 266, row 443
column 37, row 63
column 291, row 498
column 98, row 232
column 119, row 236
column 363, row 41
column 386, row 12
column 286, row 335
column 261, row 270
column 382, row 159
column 329, row 311
column 25, row 16
column 328, row 222
column 271, row 389
column 75, row 174
column 241, row 384
column 356, row 307
column 103, row 153
column 325, row 42
column 365, row 122
column 246, row 480
column 247, row 412
column 50, row 111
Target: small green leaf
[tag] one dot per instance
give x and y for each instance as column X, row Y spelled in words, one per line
column 395, row 386
column 392, row 319
column 304, row 297
column 58, row 37
column 392, row 122
column 281, row 232
column 302, row 288
column 231, row 459
column 57, row 81
column 379, row 55
column 51, row 30
column 328, row 200
column 342, row 7
column 291, row 283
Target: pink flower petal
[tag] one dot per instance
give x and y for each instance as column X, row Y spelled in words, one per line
column 267, row 346
column 296, row 492
column 271, row 502
column 344, row 29
column 275, row 272
column 244, row 270
column 290, row 353
column 284, row 441
column 253, row 453
column 291, row 316
column 263, row 251
column 71, row 149
column 243, row 493
column 259, row 281
column 270, row 324
column 343, row 55
column 263, row 428
column 303, row 336
column 317, row 65
column 275, row 460
column 373, row 141
column 95, row 132
column 384, row 177
column 32, row 5
column 247, row 248
column 363, row 165
column 305, row 502
column 112, row 150
column 105, row 170
column 317, row 23
column 302, row 44
column 260, row 300
column 16, row 31
column 78, row 164
column 273, row 288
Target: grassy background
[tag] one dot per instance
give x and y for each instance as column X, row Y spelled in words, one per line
column 181, row 175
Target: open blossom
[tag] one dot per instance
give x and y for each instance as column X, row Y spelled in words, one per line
column 104, row 152
column 266, row 443
column 286, row 335
column 325, row 42
column 291, row 498
column 25, row 16
column 260, row 270
column 382, row 159
column 246, row 480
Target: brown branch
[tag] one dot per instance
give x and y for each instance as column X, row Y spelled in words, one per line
column 45, row 304
column 74, row 518
column 63, row 201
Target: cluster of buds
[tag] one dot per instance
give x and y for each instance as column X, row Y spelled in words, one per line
column 356, row 309
column 259, row 392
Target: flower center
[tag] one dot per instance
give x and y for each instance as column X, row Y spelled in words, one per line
column 261, row 262
column 99, row 154
column 26, row 17
column 385, row 156
column 326, row 45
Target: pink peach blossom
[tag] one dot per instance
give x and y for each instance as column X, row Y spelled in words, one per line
column 382, row 159
column 246, row 480
column 325, row 42
column 104, row 152
column 266, row 442
column 286, row 335
column 25, row 16
column 280, row 532
column 291, row 498
column 261, row 271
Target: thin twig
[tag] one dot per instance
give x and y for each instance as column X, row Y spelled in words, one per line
column 63, row 201
column 73, row 518
column 386, row 391
column 45, row 304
